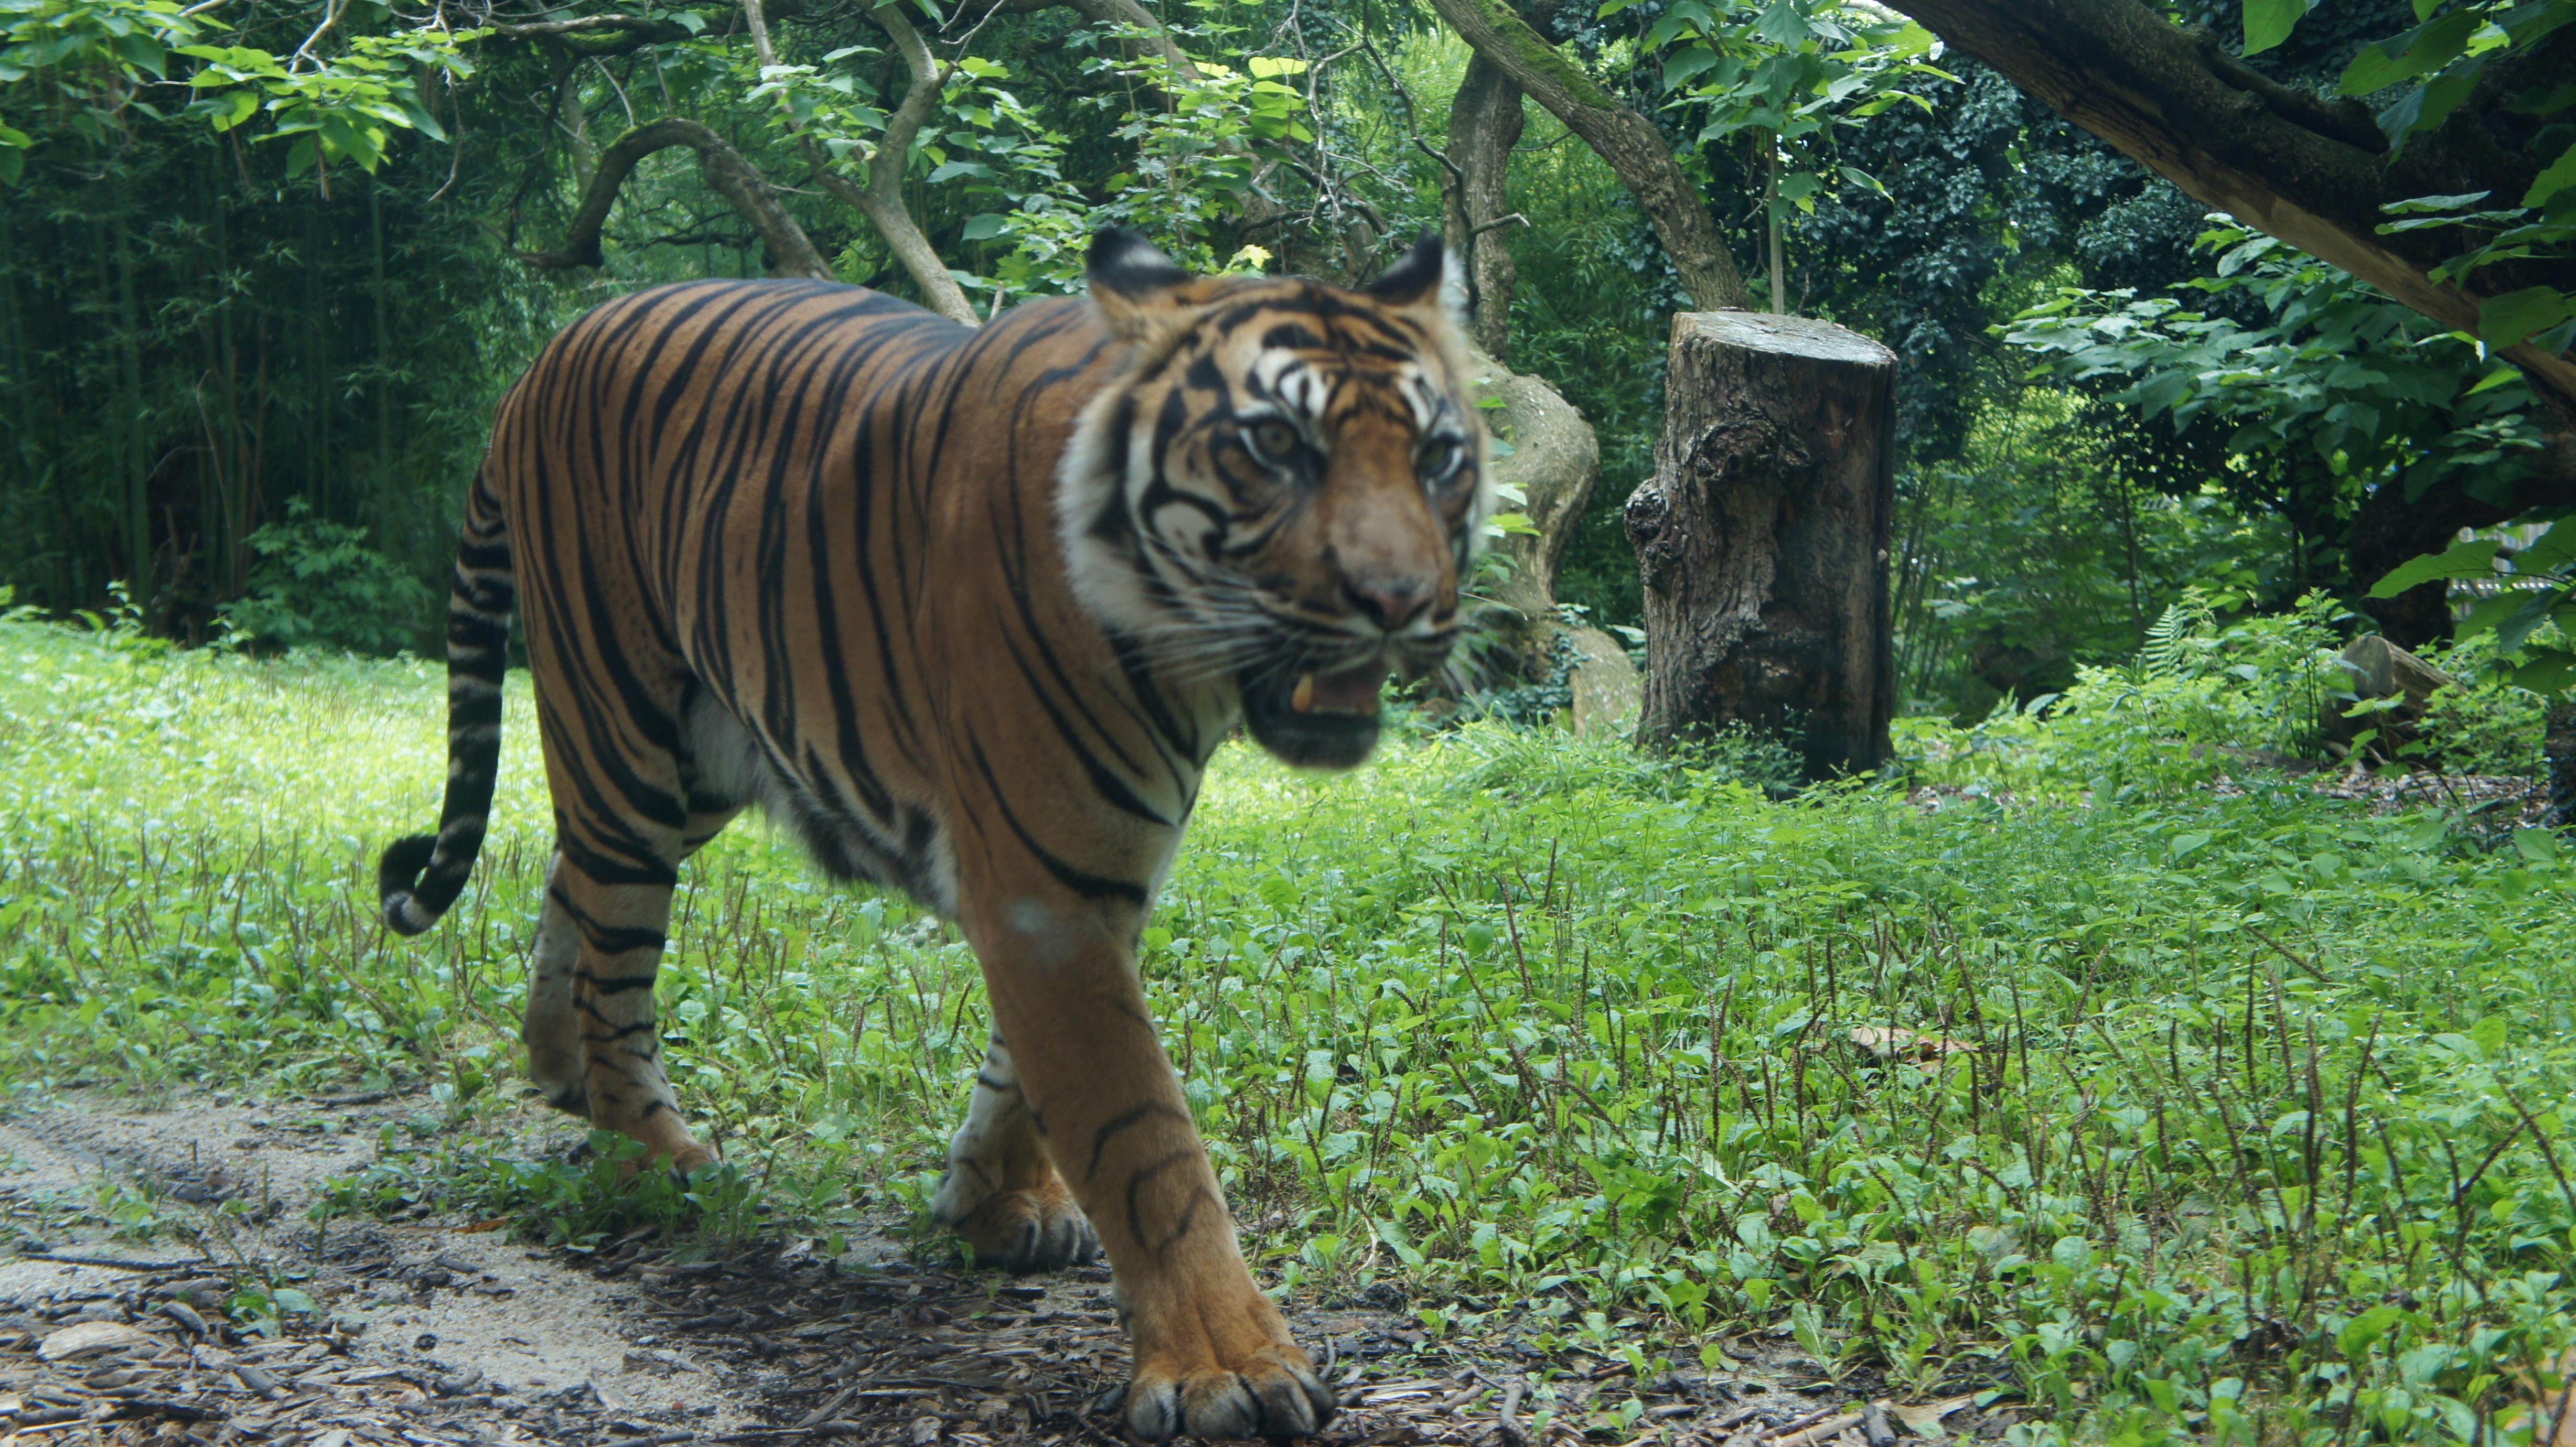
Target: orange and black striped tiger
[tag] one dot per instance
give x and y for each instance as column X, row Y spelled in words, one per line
column 969, row 609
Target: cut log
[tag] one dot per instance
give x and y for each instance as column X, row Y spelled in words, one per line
column 1762, row 539
column 2375, row 668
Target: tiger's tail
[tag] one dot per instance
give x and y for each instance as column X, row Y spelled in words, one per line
column 421, row 875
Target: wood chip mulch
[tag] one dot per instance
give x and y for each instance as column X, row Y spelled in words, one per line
column 153, row 1362
column 916, row 1356
column 891, row 1352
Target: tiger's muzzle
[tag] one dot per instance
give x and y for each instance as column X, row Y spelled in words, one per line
column 1323, row 711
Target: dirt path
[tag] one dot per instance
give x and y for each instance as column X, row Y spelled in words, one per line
column 438, row 1333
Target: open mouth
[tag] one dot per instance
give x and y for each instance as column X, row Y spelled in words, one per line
column 1315, row 719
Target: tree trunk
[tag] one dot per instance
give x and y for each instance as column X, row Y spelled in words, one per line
column 1484, row 125
column 1762, row 539
column 1633, row 147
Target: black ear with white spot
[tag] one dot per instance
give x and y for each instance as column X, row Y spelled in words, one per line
column 1133, row 283
column 1416, row 277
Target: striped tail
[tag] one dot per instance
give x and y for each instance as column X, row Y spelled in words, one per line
column 420, row 876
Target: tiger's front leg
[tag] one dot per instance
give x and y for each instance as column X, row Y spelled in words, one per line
column 1213, row 1357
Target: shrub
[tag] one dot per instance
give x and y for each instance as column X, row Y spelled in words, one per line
column 318, row 585
column 2203, row 697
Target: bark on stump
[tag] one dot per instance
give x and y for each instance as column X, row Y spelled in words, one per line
column 1762, row 539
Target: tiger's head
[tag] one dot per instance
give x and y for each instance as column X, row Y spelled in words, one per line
column 1284, row 490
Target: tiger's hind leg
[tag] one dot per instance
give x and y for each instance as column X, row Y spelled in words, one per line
column 1002, row 1192
column 557, row 1058
column 552, row 1029
column 620, row 925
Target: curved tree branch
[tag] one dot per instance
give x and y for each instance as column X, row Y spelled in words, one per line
column 791, row 252
column 881, row 199
column 1635, row 148
column 2311, row 172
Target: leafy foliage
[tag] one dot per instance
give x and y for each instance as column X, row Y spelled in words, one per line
column 2376, row 392
column 319, row 584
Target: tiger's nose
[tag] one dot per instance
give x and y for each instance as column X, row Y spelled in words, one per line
column 1390, row 605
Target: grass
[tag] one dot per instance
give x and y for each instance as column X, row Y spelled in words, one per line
column 2261, row 1137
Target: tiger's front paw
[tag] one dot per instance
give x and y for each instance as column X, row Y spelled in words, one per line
column 1266, row 1390
column 1036, row 1229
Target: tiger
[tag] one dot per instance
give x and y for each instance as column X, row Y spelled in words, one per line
column 966, row 610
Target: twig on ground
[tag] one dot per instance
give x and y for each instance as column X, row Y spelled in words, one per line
column 120, row 1263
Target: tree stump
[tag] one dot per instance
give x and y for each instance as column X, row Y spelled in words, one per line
column 1762, row 539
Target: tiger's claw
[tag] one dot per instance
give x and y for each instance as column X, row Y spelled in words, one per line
column 1274, row 1394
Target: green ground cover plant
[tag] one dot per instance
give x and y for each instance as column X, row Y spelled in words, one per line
column 2230, row 1117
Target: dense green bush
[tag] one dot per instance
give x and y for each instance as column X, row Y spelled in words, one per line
column 318, row 584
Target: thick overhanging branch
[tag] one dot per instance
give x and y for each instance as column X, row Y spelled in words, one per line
column 2314, row 173
column 619, row 33
column 791, row 252
column 1635, row 148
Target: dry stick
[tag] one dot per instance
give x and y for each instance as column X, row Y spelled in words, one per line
column 119, row 1263
column 1507, row 1421
column 2285, row 952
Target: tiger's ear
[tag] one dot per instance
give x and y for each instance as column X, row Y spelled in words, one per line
column 1426, row 276
column 1138, row 289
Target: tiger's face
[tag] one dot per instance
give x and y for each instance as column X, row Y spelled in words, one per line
column 1284, row 491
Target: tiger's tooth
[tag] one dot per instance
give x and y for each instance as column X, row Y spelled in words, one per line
column 1304, row 698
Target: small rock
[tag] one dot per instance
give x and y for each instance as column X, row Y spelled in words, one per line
column 90, row 1339
column 925, row 1431
column 426, row 1341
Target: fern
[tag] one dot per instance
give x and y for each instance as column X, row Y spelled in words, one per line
column 2166, row 653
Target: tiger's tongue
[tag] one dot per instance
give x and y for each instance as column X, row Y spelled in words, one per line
column 1351, row 691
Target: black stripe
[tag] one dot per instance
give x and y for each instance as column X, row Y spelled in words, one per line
column 1132, row 1116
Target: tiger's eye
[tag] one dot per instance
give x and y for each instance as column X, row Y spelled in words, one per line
column 1273, row 440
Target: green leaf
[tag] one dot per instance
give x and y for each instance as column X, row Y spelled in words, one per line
column 2508, row 319
column 1686, row 64
column 2362, row 1331
column 2269, row 22
column 2372, row 70
column 1782, row 25
column 2474, row 559
column 2546, row 672
column 984, row 227
column 2560, row 175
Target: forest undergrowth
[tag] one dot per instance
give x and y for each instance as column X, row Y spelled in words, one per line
column 2161, row 1113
